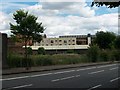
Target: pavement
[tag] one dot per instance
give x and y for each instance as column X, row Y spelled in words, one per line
column 87, row 77
column 49, row 68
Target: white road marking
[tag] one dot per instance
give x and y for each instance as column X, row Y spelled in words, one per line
column 34, row 75
column 64, row 72
column 25, row 77
column 22, row 77
column 65, row 78
column 96, row 72
column 114, row 79
column 95, row 87
column 19, row 87
column 113, row 68
column 14, row 78
column 77, row 76
column 41, row 75
column 106, row 65
column 85, row 69
column 55, row 80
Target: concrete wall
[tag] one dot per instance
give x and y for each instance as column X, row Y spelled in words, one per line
column 4, row 51
column 62, row 47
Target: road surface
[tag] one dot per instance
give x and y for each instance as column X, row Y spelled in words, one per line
column 85, row 78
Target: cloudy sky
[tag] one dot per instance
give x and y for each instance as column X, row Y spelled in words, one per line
column 62, row 18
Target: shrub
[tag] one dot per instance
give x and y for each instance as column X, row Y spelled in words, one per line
column 115, row 55
column 117, row 42
column 29, row 51
column 14, row 60
column 70, row 51
column 104, row 55
column 42, row 60
column 41, row 50
column 93, row 53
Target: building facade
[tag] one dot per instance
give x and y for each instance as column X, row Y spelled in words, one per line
column 64, row 43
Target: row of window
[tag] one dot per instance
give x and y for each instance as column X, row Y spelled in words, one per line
column 65, row 41
column 56, row 44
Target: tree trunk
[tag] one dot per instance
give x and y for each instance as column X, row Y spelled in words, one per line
column 26, row 56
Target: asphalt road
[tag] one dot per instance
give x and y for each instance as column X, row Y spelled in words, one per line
column 87, row 78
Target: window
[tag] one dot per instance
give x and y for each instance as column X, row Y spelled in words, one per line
column 60, row 40
column 52, row 41
column 55, row 40
column 65, row 41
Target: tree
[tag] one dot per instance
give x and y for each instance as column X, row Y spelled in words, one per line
column 108, row 3
column 117, row 42
column 93, row 53
column 41, row 50
column 26, row 28
column 29, row 51
column 104, row 39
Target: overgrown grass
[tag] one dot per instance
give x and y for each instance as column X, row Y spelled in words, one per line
column 61, row 59
column 45, row 60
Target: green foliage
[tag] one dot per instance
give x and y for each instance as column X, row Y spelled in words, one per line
column 93, row 53
column 108, row 4
column 115, row 55
column 26, row 28
column 42, row 60
column 70, row 51
column 117, row 42
column 29, row 51
column 45, row 60
column 14, row 60
column 104, row 39
column 104, row 55
column 41, row 50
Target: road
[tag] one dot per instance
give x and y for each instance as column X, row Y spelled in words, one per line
column 86, row 78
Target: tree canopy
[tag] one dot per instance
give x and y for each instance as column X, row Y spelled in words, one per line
column 117, row 42
column 104, row 39
column 26, row 28
column 108, row 3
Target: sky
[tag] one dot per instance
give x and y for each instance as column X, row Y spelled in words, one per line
column 62, row 17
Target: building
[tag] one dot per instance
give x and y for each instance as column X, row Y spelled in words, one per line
column 78, row 43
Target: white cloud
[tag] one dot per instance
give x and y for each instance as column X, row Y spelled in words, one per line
column 4, row 21
column 68, row 18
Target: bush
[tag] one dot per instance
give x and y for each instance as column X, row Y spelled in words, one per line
column 41, row 50
column 115, row 55
column 70, row 51
column 104, row 55
column 42, row 60
column 93, row 53
column 14, row 60
column 29, row 51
